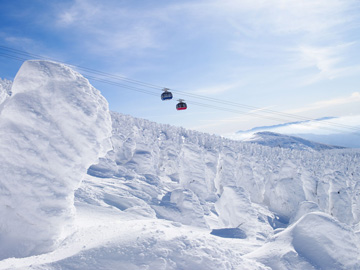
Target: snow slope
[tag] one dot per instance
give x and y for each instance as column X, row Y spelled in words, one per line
column 316, row 241
column 168, row 198
column 52, row 128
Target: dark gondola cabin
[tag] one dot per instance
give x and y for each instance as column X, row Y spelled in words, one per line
column 166, row 95
column 181, row 105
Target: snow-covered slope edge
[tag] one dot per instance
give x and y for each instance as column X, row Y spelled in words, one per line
column 52, row 128
column 316, row 241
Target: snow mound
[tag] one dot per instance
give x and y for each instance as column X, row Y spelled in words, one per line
column 52, row 128
column 316, row 241
column 5, row 89
column 285, row 141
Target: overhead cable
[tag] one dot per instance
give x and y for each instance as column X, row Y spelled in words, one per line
column 104, row 77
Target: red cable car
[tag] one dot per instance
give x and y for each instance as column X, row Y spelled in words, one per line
column 181, row 105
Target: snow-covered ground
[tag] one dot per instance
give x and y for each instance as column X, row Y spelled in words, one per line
column 163, row 197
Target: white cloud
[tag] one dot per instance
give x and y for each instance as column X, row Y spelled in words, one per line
column 81, row 12
column 329, row 62
column 344, row 131
column 271, row 31
column 278, row 16
column 341, row 107
column 216, row 89
column 21, row 42
column 249, row 18
column 331, row 103
column 108, row 28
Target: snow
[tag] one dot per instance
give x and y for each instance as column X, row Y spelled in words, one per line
column 52, row 128
column 316, row 241
column 5, row 89
column 163, row 197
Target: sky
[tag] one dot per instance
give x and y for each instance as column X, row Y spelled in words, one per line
column 238, row 64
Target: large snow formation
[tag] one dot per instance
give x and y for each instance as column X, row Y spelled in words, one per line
column 52, row 128
column 316, row 241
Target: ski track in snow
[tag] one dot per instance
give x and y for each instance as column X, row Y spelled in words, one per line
column 169, row 198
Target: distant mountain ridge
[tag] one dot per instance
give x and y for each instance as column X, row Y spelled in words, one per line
column 273, row 139
column 283, row 125
column 331, row 131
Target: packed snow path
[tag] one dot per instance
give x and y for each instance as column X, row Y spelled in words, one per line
column 168, row 198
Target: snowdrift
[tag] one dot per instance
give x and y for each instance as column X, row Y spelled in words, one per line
column 52, row 128
column 316, row 241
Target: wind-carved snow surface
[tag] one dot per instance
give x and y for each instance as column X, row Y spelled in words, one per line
column 52, row 128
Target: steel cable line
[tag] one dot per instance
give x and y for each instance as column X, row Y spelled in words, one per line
column 287, row 115
column 191, row 101
column 132, row 88
column 205, row 105
column 263, row 116
column 116, row 77
column 194, row 102
column 24, row 53
column 13, row 57
column 123, row 86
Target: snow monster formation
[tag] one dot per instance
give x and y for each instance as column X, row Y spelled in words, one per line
column 52, row 128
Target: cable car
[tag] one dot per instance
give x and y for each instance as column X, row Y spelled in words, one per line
column 181, row 105
column 166, row 95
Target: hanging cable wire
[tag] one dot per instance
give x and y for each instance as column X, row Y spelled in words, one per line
column 94, row 75
column 201, row 97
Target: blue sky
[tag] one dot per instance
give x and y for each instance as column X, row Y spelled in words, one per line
column 298, row 57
